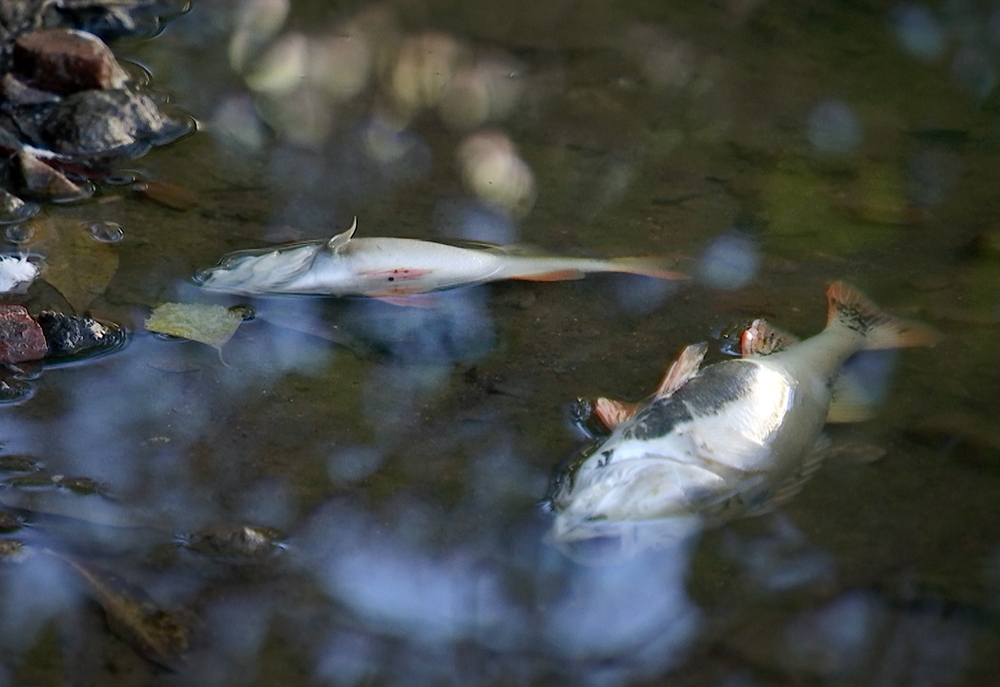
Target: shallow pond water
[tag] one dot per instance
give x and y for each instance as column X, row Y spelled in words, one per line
column 390, row 462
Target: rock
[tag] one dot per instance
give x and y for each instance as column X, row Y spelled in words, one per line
column 107, row 122
column 20, row 93
column 41, row 181
column 72, row 337
column 117, row 19
column 66, row 61
column 21, row 338
column 13, row 209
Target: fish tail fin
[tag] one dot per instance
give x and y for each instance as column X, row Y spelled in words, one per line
column 658, row 268
column 848, row 307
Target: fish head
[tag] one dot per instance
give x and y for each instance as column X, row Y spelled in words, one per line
column 253, row 272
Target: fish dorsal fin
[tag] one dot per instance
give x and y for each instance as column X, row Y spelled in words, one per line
column 337, row 243
column 611, row 413
column 761, row 338
column 681, row 370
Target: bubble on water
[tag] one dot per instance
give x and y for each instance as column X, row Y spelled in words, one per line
column 18, row 233
column 918, row 31
column 972, row 68
column 106, row 232
column 354, row 463
column 833, row 128
column 730, row 262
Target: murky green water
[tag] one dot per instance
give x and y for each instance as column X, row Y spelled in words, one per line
column 771, row 147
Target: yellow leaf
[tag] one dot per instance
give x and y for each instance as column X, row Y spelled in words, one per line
column 209, row 324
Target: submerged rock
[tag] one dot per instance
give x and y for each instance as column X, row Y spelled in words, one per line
column 239, row 543
column 17, row 462
column 107, row 122
column 66, row 61
column 13, row 209
column 21, row 338
column 43, row 182
column 117, row 19
column 68, row 336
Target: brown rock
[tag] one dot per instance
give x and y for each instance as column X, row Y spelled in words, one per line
column 66, row 61
column 42, row 181
column 21, row 338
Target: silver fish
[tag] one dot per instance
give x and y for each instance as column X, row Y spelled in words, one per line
column 392, row 268
column 734, row 438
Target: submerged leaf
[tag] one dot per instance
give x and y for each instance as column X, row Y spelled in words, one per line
column 79, row 267
column 209, row 324
column 158, row 634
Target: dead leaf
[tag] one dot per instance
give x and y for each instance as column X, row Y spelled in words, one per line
column 79, row 267
column 209, row 324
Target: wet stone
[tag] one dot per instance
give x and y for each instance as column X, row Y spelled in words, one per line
column 12, row 551
column 15, row 391
column 34, row 480
column 70, row 337
column 9, row 522
column 116, row 19
column 18, row 92
column 107, row 122
column 17, row 462
column 242, row 542
column 21, row 338
column 44, row 182
column 13, row 209
column 66, row 61
column 80, row 485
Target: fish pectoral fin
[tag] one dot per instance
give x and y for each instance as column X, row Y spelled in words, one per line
column 417, row 300
column 337, row 243
column 611, row 413
column 850, row 400
column 682, row 370
column 793, row 484
column 761, row 338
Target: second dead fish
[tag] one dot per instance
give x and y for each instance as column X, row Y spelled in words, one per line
column 735, row 438
column 391, row 268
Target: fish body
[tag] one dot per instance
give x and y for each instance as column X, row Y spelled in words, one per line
column 734, row 438
column 396, row 267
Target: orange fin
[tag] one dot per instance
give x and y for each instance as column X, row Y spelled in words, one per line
column 760, row 338
column 851, row 308
column 681, row 370
column 554, row 275
column 612, row 413
column 646, row 267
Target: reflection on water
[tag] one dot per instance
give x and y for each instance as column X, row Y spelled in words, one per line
column 349, row 492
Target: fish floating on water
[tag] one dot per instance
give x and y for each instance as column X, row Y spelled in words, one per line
column 731, row 439
column 395, row 268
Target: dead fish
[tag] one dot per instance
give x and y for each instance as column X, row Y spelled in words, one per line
column 732, row 439
column 391, row 268
column 160, row 635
